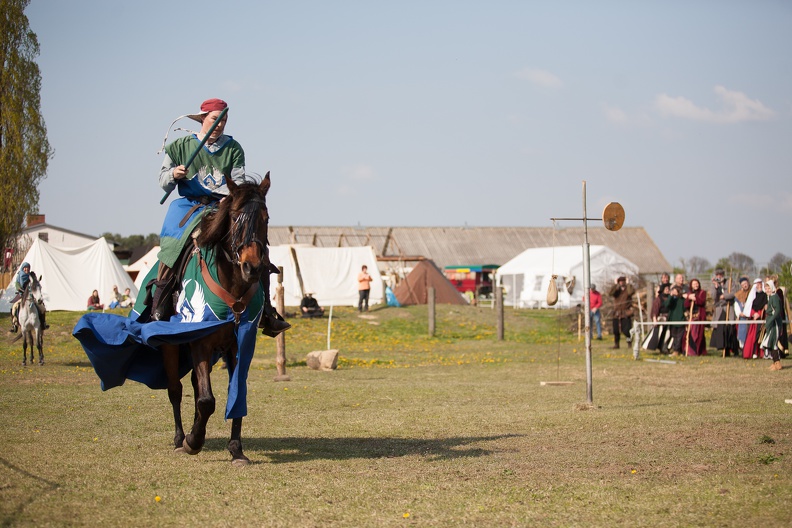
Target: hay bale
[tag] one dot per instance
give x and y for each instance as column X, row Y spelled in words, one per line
column 323, row 359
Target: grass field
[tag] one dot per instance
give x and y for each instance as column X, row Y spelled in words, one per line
column 409, row 431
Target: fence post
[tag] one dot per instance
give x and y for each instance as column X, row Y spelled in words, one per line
column 280, row 339
column 498, row 291
column 431, row 305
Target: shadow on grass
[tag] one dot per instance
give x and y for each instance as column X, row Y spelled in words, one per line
column 33, row 486
column 296, row 449
column 77, row 363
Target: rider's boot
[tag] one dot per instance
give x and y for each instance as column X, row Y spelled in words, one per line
column 162, row 300
column 14, row 319
column 43, row 319
column 271, row 322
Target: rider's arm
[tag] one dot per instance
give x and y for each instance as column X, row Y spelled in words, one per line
column 166, row 180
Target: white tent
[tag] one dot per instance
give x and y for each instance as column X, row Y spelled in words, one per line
column 140, row 268
column 329, row 273
column 526, row 277
column 69, row 275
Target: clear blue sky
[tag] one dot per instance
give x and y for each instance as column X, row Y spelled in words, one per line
column 436, row 113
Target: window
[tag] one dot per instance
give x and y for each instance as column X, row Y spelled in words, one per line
column 538, row 283
column 43, row 235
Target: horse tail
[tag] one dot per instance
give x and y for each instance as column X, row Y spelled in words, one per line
column 17, row 338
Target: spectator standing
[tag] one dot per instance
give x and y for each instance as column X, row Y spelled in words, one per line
column 772, row 323
column 622, row 294
column 740, row 298
column 675, row 304
column 696, row 306
column 722, row 338
column 595, row 304
column 364, row 288
column 659, row 337
column 754, row 309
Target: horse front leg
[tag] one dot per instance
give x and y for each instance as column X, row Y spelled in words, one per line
column 40, row 345
column 204, row 399
column 170, row 357
column 238, row 458
column 24, row 350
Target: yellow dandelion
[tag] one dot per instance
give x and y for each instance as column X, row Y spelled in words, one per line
column 406, row 515
column 157, row 498
column 634, row 471
column 96, row 438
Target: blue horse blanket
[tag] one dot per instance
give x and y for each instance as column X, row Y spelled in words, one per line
column 122, row 348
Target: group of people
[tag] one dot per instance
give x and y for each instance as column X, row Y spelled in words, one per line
column 119, row 300
column 760, row 301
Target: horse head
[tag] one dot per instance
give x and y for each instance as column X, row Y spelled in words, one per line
column 33, row 289
column 239, row 228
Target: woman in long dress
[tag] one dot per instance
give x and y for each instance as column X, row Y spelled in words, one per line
column 754, row 309
column 772, row 323
column 659, row 337
column 696, row 300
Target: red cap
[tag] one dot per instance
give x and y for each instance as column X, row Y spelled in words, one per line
column 213, row 105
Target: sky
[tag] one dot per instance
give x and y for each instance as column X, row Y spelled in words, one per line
column 435, row 113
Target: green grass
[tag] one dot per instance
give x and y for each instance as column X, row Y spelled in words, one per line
column 410, row 430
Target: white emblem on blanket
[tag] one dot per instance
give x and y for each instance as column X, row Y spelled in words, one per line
column 194, row 308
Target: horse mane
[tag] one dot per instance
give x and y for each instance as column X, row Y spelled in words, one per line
column 29, row 286
column 216, row 225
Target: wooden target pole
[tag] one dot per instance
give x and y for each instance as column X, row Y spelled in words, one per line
column 280, row 339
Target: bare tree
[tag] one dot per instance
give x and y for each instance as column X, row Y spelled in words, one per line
column 698, row 265
column 742, row 262
column 24, row 149
column 776, row 263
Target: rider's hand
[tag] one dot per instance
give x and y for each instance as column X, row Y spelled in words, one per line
column 179, row 172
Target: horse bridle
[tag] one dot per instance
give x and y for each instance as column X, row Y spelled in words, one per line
column 251, row 209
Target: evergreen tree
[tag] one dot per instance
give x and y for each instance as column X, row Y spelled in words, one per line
column 24, row 149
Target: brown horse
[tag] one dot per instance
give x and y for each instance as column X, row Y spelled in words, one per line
column 237, row 230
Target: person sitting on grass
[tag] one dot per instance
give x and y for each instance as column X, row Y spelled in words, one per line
column 93, row 302
column 309, row 307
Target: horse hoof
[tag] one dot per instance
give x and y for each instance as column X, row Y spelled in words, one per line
column 240, row 462
column 189, row 450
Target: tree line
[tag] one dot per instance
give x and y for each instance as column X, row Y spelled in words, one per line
column 737, row 265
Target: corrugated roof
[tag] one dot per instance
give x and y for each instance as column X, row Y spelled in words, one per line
column 448, row 246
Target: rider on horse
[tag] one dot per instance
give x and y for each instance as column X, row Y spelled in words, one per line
column 201, row 186
column 22, row 281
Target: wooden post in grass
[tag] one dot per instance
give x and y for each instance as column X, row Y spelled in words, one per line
column 280, row 339
column 431, row 304
column 498, row 291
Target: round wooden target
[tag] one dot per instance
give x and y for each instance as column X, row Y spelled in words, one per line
column 613, row 216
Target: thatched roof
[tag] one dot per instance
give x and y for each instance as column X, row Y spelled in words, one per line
column 448, row 246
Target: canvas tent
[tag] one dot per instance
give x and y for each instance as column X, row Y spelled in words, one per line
column 69, row 275
column 526, row 277
column 413, row 289
column 330, row 273
column 140, row 268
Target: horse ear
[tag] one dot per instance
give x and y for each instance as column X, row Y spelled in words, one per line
column 265, row 184
column 231, row 184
